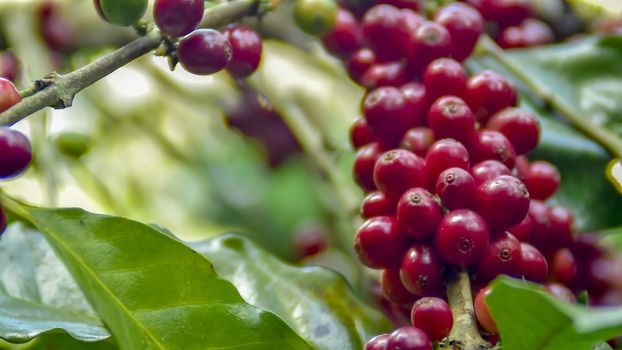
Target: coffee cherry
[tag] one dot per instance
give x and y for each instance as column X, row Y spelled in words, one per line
column 428, row 42
column 385, row 74
column 204, row 52
column 523, row 230
column 378, row 342
column 450, row 117
column 416, row 102
column 16, row 153
column 379, row 243
column 364, row 163
column 433, row 316
column 521, row 166
column 462, row 237
column 532, row 265
column 402, row 4
column 539, row 214
column 482, row 312
column 455, row 186
column 418, row 213
column 9, row 65
column 361, row 134
column 505, row 12
column 445, row 154
column 408, row 338
column 315, row 17
column 563, row 266
column 393, row 288
column 542, row 179
column 385, row 30
column 387, row 114
column 73, row 144
column 488, row 169
column 492, row 145
column 560, row 292
column 488, row 93
column 309, row 241
column 246, row 50
column 443, row 77
column 418, row 140
column 345, row 37
column 177, row 17
column 536, row 32
column 121, row 12
column 421, row 271
column 398, row 170
column 519, row 126
column 503, row 202
column 8, row 95
column 376, row 204
column 501, row 257
column 360, row 61
column 561, row 223
column 464, row 24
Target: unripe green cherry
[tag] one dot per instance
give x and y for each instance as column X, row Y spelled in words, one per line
column 315, row 17
column 121, row 12
column 73, row 144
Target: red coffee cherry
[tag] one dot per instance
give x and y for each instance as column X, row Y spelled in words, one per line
column 451, row 117
column 379, row 243
column 205, row 51
column 364, row 163
column 536, row 32
column 503, row 202
column 416, row 102
column 428, row 42
column 445, row 154
column 488, row 93
column 542, row 179
column 383, row 27
column 505, row 12
column 433, row 316
column 501, row 257
column 310, row 240
column 361, row 134
column 560, row 292
column 360, row 61
column 455, row 186
column 393, row 289
column 532, row 266
column 422, row 271
column 378, row 342
column 387, row 113
column 523, row 230
column 246, row 51
column 418, row 213
column 177, row 17
column 563, row 266
column 482, row 312
column 444, row 77
column 409, row 338
column 464, row 24
column 385, row 74
column 462, row 237
column 9, row 65
column 8, row 95
column 376, row 204
column 488, row 169
column 492, row 145
column 398, row 170
column 55, row 30
column 418, row 140
column 346, row 35
column 561, row 222
column 16, row 153
column 519, row 126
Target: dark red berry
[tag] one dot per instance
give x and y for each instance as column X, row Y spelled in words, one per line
column 539, row 214
column 376, row 204
column 205, row 51
column 512, row 37
column 492, row 145
column 364, row 163
column 360, row 61
column 379, row 243
column 345, row 37
column 503, row 202
column 523, row 230
column 462, row 237
column 408, row 338
column 385, row 74
column 246, row 50
column 378, row 342
column 309, row 241
column 521, row 166
column 8, row 95
column 9, row 65
column 418, row 140
column 488, row 93
column 383, row 27
column 586, row 246
column 428, row 42
column 361, row 134
column 482, row 312
column 521, row 128
column 398, row 170
column 416, row 102
column 561, row 222
column 506, row 12
column 464, row 24
column 532, row 266
column 455, row 186
column 55, row 29
column 15, row 153
column 421, row 271
column 501, row 257
column 418, row 213
column 445, row 154
column 177, row 17
column 443, row 77
column 560, row 292
column 488, row 169
column 393, row 288
column 387, row 114
column 542, row 179
column 402, row 4
column 563, row 266
column 451, row 117
column 433, row 316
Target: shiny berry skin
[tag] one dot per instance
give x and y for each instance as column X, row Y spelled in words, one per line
column 416, row 102
column 462, row 237
column 445, row 76
column 364, row 163
column 385, row 74
column 428, row 42
column 488, row 93
column 9, row 65
column 177, row 17
column 345, row 37
column 418, row 213
column 408, row 338
column 386, row 112
column 464, row 24
column 482, row 312
column 121, row 12
column 378, row 342
column 523, row 230
column 8, row 95
column 398, row 170
column 383, row 27
column 393, row 289
column 540, row 224
column 532, row 266
column 542, row 179
column 560, row 292
column 503, row 202
column 445, row 154
column 501, row 257
column 361, row 134
column 561, row 222
column 563, row 266
column 359, row 62
column 379, row 243
column 488, row 169
column 246, row 50
column 315, row 17
column 519, row 126
column 433, row 316
column 376, row 204
column 422, row 271
column 418, row 140
column 455, row 186
column 506, row 12
column 451, row 117
column 204, row 52
column 15, row 153
column 493, row 145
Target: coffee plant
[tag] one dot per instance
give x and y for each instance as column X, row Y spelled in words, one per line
column 311, row 174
